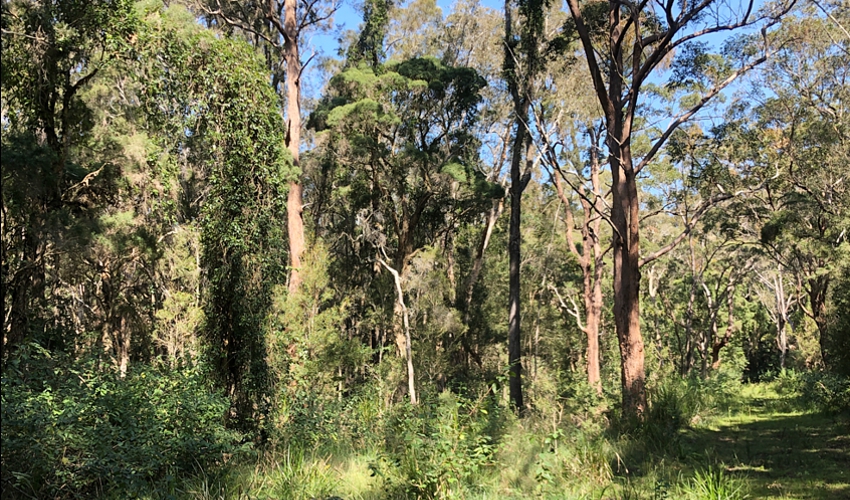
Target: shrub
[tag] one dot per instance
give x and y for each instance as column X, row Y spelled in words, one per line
column 71, row 429
column 825, row 392
column 438, row 448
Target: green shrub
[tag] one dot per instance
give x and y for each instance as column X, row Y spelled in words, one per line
column 825, row 392
column 71, row 429
column 439, row 448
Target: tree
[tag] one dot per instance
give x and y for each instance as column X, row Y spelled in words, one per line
column 523, row 64
column 206, row 88
column 591, row 255
column 801, row 121
column 631, row 41
column 52, row 51
column 277, row 27
column 397, row 139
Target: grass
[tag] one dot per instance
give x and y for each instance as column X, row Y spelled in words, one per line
column 780, row 452
column 764, row 446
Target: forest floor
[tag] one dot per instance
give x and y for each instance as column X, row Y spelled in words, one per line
column 780, row 452
column 764, row 446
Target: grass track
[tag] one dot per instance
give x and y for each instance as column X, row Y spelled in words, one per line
column 780, row 453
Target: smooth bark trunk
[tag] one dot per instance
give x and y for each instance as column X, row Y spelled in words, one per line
column 408, row 350
column 590, row 262
column 593, row 277
column 294, row 202
column 625, row 217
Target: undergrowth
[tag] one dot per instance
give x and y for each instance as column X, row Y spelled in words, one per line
column 71, row 431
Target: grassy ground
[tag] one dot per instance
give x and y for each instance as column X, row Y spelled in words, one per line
column 763, row 447
column 780, row 453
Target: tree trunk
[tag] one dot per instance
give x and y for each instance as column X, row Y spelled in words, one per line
column 514, row 345
column 495, row 211
column 590, row 261
column 817, row 290
column 520, row 87
column 122, row 347
column 730, row 323
column 781, row 317
column 593, row 278
column 593, row 308
column 408, row 351
column 627, row 285
column 625, row 218
column 625, row 209
column 294, row 205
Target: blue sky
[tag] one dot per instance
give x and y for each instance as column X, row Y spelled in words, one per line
column 349, row 17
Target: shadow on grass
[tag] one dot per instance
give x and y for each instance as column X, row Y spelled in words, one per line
column 804, row 456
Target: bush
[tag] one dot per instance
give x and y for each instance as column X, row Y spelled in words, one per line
column 70, row 429
column 439, row 448
column 824, row 392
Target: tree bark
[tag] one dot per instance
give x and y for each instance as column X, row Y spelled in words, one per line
column 294, row 202
column 625, row 209
column 590, row 261
column 628, row 41
column 408, row 351
column 514, row 342
column 781, row 317
column 593, row 277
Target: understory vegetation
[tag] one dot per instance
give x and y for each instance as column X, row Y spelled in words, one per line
column 158, row 433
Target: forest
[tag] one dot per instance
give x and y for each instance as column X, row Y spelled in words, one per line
column 422, row 249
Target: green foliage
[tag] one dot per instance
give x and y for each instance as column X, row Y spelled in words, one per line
column 221, row 100
column 835, row 339
column 370, row 44
column 817, row 391
column 72, row 429
column 439, row 447
column 50, row 49
column 678, row 403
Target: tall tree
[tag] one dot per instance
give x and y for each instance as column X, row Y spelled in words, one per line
column 632, row 40
column 804, row 100
column 278, row 27
column 230, row 113
column 398, row 139
column 522, row 65
column 52, row 51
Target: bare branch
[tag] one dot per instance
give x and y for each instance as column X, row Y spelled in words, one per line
column 572, row 312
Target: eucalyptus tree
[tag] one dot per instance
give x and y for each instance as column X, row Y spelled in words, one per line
column 623, row 44
column 397, row 139
column 585, row 183
column 469, row 36
column 523, row 65
column 799, row 123
column 278, row 28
